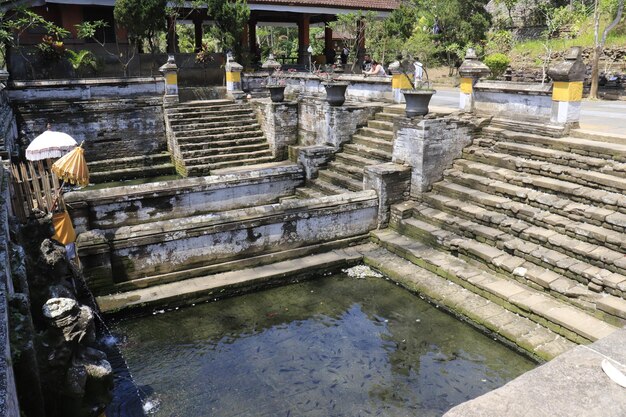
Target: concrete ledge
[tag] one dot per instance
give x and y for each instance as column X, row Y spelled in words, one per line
column 135, row 204
column 573, row 384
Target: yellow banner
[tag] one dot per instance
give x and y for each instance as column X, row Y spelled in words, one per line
column 233, row 77
column 400, row 81
column 171, row 78
column 466, row 85
column 63, row 229
column 567, row 91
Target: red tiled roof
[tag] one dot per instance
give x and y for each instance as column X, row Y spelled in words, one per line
column 339, row 4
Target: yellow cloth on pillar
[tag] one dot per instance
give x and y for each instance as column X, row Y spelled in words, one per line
column 63, row 229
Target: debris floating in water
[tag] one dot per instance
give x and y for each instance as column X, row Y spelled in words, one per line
column 151, row 406
column 362, row 272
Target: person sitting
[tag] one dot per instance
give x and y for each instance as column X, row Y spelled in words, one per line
column 366, row 65
column 377, row 70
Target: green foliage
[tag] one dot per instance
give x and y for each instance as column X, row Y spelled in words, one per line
column 142, row 18
column 497, row 63
column 499, row 41
column 87, row 30
column 230, row 17
column 81, row 60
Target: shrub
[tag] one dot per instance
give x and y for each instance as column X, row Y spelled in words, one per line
column 497, row 63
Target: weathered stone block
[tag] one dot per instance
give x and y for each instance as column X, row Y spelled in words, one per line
column 391, row 182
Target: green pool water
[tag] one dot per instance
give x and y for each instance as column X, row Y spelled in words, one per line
column 335, row 346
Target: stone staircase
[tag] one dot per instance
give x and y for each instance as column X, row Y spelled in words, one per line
column 533, row 223
column 214, row 134
column 145, row 166
column 370, row 145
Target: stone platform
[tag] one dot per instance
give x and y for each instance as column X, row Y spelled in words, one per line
column 573, row 384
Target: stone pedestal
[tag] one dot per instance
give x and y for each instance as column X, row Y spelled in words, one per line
column 233, row 79
column 471, row 70
column 311, row 158
column 567, row 88
column 170, row 72
column 391, row 182
column 428, row 146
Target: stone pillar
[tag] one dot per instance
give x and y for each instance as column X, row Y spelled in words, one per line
column 303, row 39
column 233, row 78
column 391, row 182
column 428, row 146
column 197, row 25
column 279, row 123
column 567, row 88
column 170, row 72
column 399, row 81
column 471, row 70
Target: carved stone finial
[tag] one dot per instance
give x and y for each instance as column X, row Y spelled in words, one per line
column 472, row 67
column 571, row 69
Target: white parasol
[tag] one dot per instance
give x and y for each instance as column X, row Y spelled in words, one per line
column 50, row 144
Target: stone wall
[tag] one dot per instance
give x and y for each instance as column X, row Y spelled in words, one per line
column 135, row 252
column 116, row 118
column 279, row 123
column 135, row 204
column 521, row 101
column 8, row 393
column 8, row 126
column 429, row 145
column 322, row 124
column 360, row 88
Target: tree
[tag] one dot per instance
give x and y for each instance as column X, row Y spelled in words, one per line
column 599, row 42
column 230, row 17
column 124, row 55
column 142, row 18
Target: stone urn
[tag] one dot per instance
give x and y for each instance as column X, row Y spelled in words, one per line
column 277, row 93
column 417, row 101
column 335, row 93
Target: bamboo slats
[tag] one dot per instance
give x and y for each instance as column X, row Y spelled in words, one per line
column 33, row 187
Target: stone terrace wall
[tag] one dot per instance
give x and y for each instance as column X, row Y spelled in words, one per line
column 8, row 127
column 360, row 88
column 166, row 247
column 521, row 101
column 116, row 118
column 135, row 204
column 8, row 394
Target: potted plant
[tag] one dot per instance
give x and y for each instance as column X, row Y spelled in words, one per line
column 418, row 97
column 335, row 90
column 276, row 83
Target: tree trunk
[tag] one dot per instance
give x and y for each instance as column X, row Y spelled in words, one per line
column 595, row 72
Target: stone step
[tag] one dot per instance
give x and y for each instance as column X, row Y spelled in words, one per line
column 326, row 187
column 366, row 152
column 201, row 103
column 229, row 278
column 224, row 124
column 340, row 180
column 528, row 126
column 380, row 125
column 567, row 320
column 598, row 136
column 574, row 192
column 589, row 264
column 354, row 172
column 231, row 156
column 386, row 117
column 586, row 177
column 306, row 192
column 125, row 174
column 208, row 115
column 510, row 328
column 252, row 127
column 143, row 161
column 568, row 159
column 206, row 169
column 222, row 143
column 213, row 150
column 597, row 216
column 355, row 160
column 455, row 196
column 585, row 147
column 376, row 133
column 218, row 137
column 371, row 142
column 185, row 108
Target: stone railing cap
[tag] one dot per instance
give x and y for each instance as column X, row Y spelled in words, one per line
column 571, row 69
